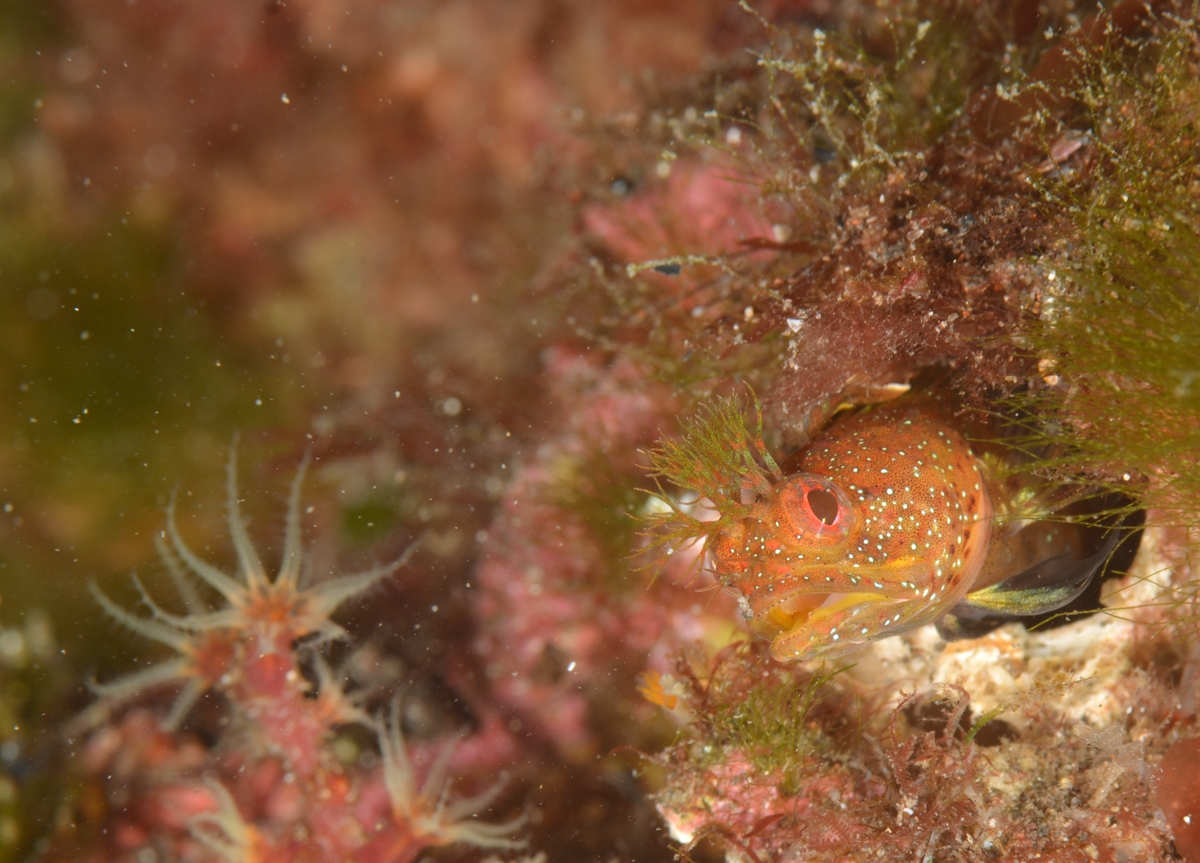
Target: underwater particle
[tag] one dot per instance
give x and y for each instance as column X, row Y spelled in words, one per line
column 1178, row 791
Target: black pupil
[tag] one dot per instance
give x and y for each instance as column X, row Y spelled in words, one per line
column 823, row 505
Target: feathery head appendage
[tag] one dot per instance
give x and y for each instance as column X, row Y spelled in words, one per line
column 428, row 810
column 670, row 527
column 717, row 456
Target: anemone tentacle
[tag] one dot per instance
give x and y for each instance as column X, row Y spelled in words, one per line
column 426, row 808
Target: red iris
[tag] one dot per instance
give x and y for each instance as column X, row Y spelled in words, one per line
column 813, row 507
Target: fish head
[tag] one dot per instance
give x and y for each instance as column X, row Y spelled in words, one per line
column 804, row 517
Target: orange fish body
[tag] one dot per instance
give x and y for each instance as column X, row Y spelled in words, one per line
column 885, row 522
column 879, row 526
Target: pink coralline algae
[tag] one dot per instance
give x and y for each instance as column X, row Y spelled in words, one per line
column 281, row 793
column 698, row 208
column 768, row 775
column 562, row 632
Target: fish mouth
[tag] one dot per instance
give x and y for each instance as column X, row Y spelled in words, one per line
column 793, row 613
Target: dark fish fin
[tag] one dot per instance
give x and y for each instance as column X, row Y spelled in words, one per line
column 1043, row 587
column 1051, row 585
column 951, row 627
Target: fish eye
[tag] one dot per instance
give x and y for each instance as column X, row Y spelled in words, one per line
column 815, row 509
column 823, row 505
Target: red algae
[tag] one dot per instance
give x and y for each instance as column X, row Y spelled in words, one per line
column 706, row 209
column 842, row 779
column 562, row 637
column 1178, row 790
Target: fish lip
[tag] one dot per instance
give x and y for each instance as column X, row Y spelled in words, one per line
column 792, row 613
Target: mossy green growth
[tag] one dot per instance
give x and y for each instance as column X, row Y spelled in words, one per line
column 716, row 457
column 776, row 718
column 1119, row 341
column 770, row 726
column 604, row 495
column 850, row 106
column 828, row 121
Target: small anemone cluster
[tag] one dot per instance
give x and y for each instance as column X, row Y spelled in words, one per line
column 240, row 648
column 280, row 793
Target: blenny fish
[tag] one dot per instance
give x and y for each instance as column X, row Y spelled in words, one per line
column 885, row 522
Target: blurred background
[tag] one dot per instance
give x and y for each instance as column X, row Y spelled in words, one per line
column 324, row 224
column 327, row 225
